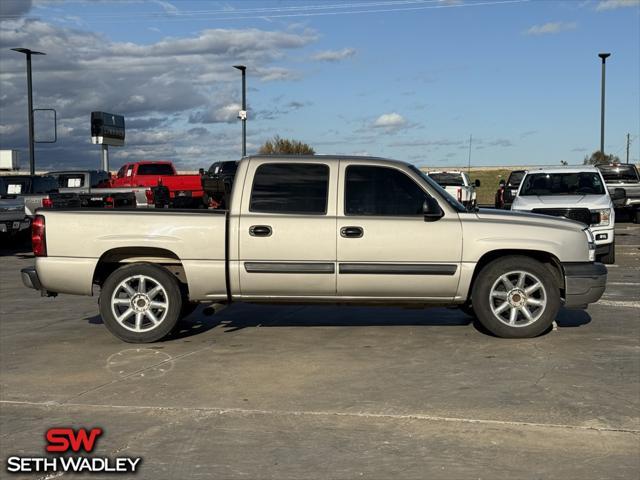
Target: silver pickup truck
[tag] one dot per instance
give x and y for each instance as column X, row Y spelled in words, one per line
column 319, row 229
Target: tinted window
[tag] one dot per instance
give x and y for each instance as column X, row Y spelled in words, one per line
column 44, row 184
column 290, row 188
column 515, row 178
column 448, row 179
column 582, row 183
column 71, row 180
column 381, row 191
column 98, row 178
column 155, row 169
column 619, row 173
column 15, row 185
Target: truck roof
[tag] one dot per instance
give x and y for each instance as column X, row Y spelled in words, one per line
column 585, row 168
column 328, row 158
column 150, row 162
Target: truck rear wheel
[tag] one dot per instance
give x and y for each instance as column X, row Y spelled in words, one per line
column 140, row 303
column 515, row 297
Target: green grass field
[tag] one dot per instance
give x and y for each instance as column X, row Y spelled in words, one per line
column 489, row 180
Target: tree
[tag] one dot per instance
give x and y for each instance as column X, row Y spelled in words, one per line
column 284, row 146
column 598, row 158
column 564, row 163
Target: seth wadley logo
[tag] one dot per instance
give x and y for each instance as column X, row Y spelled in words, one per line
column 67, row 440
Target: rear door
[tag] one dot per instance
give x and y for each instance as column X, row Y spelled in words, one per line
column 287, row 229
column 386, row 249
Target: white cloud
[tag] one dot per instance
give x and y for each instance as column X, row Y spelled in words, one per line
column 551, row 27
column 390, row 121
column 334, row 55
column 160, row 87
column 614, row 4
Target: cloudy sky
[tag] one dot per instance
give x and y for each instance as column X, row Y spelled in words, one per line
column 407, row 79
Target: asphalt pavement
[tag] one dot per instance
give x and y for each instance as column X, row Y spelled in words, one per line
column 290, row 392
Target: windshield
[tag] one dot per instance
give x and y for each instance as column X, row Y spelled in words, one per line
column 155, row 169
column 580, row 183
column 515, row 178
column 448, row 179
column 443, row 193
column 619, row 173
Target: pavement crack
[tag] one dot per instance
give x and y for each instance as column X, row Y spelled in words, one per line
column 328, row 413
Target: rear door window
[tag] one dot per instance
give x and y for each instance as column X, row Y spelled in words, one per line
column 290, row 188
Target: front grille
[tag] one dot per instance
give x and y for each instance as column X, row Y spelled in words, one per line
column 582, row 215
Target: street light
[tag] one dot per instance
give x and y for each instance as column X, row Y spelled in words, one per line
column 28, row 53
column 603, row 56
column 242, row 115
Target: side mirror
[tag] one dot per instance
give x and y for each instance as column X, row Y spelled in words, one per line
column 618, row 194
column 477, row 182
column 431, row 210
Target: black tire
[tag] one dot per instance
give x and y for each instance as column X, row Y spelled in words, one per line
column 482, row 302
column 609, row 258
column 636, row 216
column 167, row 321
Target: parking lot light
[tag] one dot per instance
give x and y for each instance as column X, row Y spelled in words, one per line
column 604, row 57
column 28, row 53
column 243, row 113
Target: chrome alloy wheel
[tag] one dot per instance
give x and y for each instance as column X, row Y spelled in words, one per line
column 139, row 303
column 518, row 299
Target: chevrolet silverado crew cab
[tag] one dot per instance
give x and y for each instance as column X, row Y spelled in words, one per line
column 319, row 229
column 576, row 193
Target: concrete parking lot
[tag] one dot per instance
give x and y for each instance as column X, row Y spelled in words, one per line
column 325, row 392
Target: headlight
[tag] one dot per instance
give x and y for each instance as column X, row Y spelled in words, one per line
column 603, row 216
column 591, row 245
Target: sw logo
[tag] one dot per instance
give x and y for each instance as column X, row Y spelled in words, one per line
column 67, row 441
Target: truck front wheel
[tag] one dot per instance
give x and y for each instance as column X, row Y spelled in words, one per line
column 515, row 297
column 140, row 303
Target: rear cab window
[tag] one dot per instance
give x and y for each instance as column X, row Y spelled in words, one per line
column 154, row 169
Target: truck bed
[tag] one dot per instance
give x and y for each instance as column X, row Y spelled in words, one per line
column 196, row 240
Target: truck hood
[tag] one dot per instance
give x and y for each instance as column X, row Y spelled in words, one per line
column 529, row 202
column 522, row 218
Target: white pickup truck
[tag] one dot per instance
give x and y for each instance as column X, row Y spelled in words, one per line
column 319, row 229
column 576, row 193
column 458, row 185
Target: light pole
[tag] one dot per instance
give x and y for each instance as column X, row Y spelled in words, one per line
column 242, row 115
column 28, row 53
column 603, row 56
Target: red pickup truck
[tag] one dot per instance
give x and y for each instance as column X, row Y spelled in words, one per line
column 154, row 173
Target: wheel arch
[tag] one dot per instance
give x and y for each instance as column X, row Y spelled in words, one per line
column 548, row 259
column 115, row 258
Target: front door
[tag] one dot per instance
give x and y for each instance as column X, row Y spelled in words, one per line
column 287, row 243
column 386, row 249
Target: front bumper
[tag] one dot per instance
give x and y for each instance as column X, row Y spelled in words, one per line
column 584, row 283
column 30, row 278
